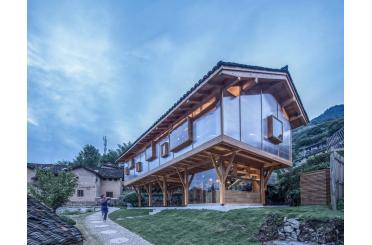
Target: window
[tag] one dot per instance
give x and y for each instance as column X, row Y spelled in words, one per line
column 274, row 130
column 109, row 194
column 150, row 152
column 80, row 193
column 139, row 167
column 164, row 149
column 181, row 136
column 251, row 118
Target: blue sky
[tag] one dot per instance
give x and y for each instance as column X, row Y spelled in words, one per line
column 113, row 67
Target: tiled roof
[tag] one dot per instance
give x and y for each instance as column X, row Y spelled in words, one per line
column 105, row 172
column 46, row 227
column 215, row 68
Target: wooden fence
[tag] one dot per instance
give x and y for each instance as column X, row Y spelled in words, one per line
column 314, row 188
column 336, row 178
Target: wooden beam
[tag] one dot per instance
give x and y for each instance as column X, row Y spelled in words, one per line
column 262, row 186
column 288, row 102
column 165, row 192
column 230, row 164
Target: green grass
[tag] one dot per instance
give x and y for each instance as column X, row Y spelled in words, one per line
column 238, row 226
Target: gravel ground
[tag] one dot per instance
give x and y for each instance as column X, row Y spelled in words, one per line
column 109, row 232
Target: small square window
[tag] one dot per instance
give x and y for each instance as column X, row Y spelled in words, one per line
column 164, row 149
column 150, row 152
column 80, row 193
column 274, row 130
column 109, row 194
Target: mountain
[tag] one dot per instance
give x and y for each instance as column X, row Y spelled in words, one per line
column 331, row 113
column 317, row 131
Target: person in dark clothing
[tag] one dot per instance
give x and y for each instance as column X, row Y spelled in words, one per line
column 104, row 206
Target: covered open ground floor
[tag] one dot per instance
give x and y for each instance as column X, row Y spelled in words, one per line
column 219, row 172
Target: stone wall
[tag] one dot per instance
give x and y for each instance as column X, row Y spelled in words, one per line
column 329, row 231
column 114, row 186
column 89, row 183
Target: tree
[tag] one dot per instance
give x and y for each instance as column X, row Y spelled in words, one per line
column 110, row 157
column 123, row 147
column 88, row 157
column 53, row 190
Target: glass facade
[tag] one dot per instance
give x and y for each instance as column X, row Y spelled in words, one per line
column 231, row 112
column 204, row 188
column 245, row 119
column 251, row 119
column 207, row 127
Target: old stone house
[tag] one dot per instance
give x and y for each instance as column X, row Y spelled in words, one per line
column 92, row 182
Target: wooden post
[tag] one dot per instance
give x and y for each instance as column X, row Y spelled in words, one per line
column 165, row 192
column 332, row 178
column 149, row 193
column 262, row 186
column 186, row 187
column 138, row 192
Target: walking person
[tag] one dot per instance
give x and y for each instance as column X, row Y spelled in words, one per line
column 104, row 206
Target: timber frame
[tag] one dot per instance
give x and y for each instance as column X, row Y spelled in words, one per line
column 224, row 154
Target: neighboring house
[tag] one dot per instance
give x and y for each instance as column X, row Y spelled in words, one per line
column 220, row 142
column 92, row 182
column 46, row 227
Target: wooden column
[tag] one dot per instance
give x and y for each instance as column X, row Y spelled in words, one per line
column 165, row 192
column 148, row 189
column 186, row 187
column 184, row 178
column 138, row 192
column 262, row 186
column 222, row 173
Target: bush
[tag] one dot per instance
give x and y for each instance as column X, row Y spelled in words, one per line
column 67, row 220
column 131, row 198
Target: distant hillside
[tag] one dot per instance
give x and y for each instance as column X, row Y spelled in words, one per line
column 318, row 130
column 331, row 113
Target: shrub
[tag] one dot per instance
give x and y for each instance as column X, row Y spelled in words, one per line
column 340, row 204
column 67, row 220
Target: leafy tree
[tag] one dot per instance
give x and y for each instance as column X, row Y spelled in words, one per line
column 53, row 190
column 110, row 156
column 64, row 162
column 123, row 147
column 88, row 157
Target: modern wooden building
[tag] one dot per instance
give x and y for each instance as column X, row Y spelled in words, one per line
column 221, row 140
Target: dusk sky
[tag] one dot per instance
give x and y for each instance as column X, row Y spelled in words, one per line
column 112, row 68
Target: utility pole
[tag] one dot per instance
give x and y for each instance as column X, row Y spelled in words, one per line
column 104, row 145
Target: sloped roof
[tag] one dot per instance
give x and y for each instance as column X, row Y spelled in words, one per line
column 46, row 227
column 209, row 73
column 105, row 172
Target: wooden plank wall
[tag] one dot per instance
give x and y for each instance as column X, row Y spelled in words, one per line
column 336, row 178
column 242, row 197
column 315, row 188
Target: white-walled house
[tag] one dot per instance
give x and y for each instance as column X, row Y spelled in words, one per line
column 92, row 183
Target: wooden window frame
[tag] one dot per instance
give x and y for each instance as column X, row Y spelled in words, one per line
column 166, row 146
column 189, row 135
column 112, row 194
column 139, row 167
column 153, row 152
column 270, row 129
column 80, row 193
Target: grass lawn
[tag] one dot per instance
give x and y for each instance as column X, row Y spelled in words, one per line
column 210, row 227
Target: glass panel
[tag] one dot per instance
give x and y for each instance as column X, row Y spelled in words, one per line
column 180, row 136
column 231, row 115
column 244, row 179
column 251, row 119
column 170, row 156
column 204, row 188
column 183, row 150
column 269, row 107
column 285, row 146
column 206, row 127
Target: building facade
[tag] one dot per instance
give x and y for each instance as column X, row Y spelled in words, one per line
column 221, row 141
column 92, row 182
